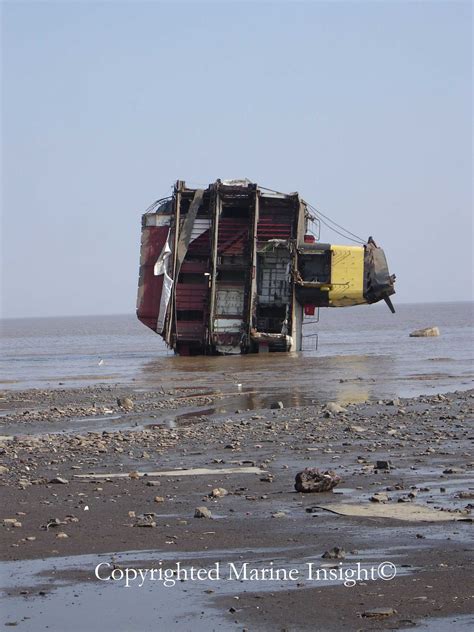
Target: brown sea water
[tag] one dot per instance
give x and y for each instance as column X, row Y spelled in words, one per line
column 358, row 353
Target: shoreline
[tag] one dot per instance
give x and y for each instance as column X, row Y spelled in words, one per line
column 118, row 485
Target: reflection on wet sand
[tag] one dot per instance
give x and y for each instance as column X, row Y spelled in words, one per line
column 256, row 381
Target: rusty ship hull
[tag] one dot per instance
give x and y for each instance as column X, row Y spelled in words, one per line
column 232, row 268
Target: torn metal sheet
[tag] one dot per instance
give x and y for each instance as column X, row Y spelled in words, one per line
column 197, row 471
column 409, row 512
column 159, row 269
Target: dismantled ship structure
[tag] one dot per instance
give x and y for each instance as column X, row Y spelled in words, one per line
column 232, row 268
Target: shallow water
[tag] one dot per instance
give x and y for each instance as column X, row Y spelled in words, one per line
column 186, row 605
column 363, row 352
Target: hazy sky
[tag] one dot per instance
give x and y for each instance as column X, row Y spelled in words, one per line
column 362, row 107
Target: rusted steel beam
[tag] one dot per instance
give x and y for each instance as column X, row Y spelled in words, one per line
column 171, row 315
column 216, row 211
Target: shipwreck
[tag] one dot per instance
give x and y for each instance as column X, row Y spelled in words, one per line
column 235, row 268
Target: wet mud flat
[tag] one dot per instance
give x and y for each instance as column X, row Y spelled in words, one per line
column 83, row 486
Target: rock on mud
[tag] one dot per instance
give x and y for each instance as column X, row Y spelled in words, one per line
column 218, row 492
column 125, row 402
column 336, row 553
column 202, row 512
column 379, row 497
column 58, row 480
column 427, row 332
column 312, row 480
column 334, row 407
column 277, row 406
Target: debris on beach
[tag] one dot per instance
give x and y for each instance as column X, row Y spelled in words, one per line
column 409, row 512
column 336, row 553
column 121, row 471
column 58, row 480
column 195, row 471
column 312, row 480
column 379, row 613
column 334, row 407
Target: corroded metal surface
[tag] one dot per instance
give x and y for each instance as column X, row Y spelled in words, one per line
column 231, row 269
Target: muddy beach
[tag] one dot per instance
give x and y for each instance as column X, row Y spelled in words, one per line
column 117, row 476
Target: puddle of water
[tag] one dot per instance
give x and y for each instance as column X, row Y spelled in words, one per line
column 462, row 622
column 179, row 607
column 88, row 420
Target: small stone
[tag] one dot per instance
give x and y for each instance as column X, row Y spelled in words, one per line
column 61, row 535
column 218, row 492
column 356, row 429
column 202, row 512
column 379, row 497
column 3, row 469
column 277, row 406
column 336, row 553
column 134, row 475
column 279, row 514
column 30, row 538
column 427, row 332
column 159, row 499
column 453, row 470
column 58, row 480
column 465, row 495
column 382, row 465
column 334, row 407
column 125, row 402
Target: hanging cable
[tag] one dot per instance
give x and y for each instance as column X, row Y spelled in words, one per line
column 345, row 230
column 344, row 236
